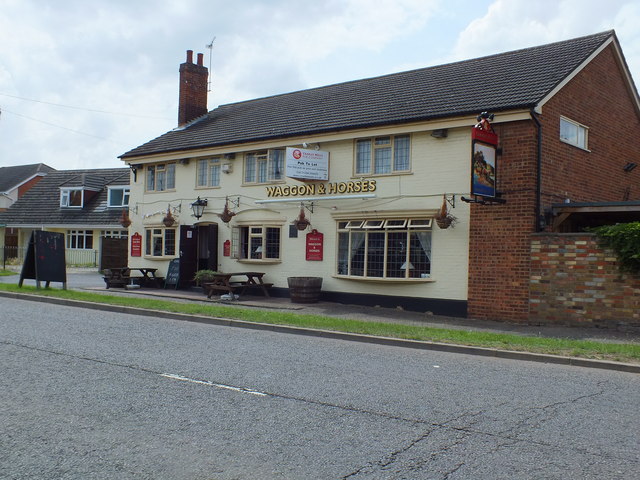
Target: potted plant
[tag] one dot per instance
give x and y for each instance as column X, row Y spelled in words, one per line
column 443, row 218
column 204, row 275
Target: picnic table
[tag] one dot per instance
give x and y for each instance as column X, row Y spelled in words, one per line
column 224, row 282
column 121, row 277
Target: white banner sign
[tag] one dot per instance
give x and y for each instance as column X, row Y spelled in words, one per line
column 309, row 164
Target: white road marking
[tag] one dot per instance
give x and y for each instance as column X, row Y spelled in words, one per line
column 211, row 384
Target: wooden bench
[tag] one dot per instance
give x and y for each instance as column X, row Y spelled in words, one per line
column 117, row 277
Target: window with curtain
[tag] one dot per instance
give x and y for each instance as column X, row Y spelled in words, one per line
column 573, row 133
column 161, row 177
column 264, row 167
column 208, row 172
column 160, row 242
column 384, row 248
column 256, row 242
column 383, row 155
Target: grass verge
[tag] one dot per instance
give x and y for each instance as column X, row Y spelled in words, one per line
column 6, row 273
column 621, row 352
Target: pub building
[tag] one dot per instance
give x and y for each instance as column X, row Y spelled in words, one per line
column 419, row 190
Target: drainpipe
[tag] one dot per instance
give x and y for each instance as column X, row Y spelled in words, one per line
column 538, row 212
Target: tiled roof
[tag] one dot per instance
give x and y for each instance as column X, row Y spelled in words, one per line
column 512, row 80
column 14, row 176
column 41, row 204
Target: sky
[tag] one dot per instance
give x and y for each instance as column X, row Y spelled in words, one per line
column 84, row 81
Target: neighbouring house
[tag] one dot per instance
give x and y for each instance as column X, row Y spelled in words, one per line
column 15, row 181
column 86, row 205
column 422, row 190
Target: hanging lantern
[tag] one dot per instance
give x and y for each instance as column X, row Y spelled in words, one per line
column 125, row 221
column 168, row 220
column 301, row 222
column 226, row 214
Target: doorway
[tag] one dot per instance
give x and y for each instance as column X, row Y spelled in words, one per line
column 198, row 251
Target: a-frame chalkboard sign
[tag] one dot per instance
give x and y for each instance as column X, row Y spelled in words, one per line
column 173, row 274
column 44, row 261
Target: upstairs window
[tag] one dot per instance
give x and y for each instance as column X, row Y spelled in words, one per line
column 161, row 177
column 574, row 133
column 118, row 197
column 71, row 197
column 208, row 173
column 383, row 155
column 264, row 167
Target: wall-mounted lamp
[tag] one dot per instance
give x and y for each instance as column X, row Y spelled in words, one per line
column 198, row 207
column 227, row 168
column 184, row 161
column 629, row 166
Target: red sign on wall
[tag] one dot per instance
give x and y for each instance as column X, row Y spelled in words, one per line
column 136, row 245
column 226, row 248
column 315, row 245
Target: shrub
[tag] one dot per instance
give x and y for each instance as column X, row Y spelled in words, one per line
column 624, row 240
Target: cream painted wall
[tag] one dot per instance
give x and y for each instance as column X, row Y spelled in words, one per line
column 438, row 166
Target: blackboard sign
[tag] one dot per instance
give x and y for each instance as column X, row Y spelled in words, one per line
column 173, row 273
column 44, row 260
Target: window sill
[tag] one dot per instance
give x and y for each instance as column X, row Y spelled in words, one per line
column 160, row 258
column 259, row 261
column 575, row 146
column 385, row 280
column 359, row 176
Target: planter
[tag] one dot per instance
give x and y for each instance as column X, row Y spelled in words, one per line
column 304, row 289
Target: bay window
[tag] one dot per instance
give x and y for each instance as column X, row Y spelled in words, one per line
column 390, row 248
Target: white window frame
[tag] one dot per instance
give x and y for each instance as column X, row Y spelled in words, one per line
column 65, row 197
column 367, row 161
column 164, row 171
column 79, row 237
column 417, row 235
column 126, row 191
column 245, row 240
column 168, row 246
column 578, row 139
column 114, row 233
column 265, row 166
column 210, row 177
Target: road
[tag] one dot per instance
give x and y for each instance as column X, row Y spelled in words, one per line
column 93, row 395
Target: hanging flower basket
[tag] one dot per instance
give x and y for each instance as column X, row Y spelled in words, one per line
column 443, row 218
column 125, row 221
column 301, row 223
column 226, row 214
column 168, row 220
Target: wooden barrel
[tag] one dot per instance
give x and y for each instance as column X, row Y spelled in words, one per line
column 304, row 289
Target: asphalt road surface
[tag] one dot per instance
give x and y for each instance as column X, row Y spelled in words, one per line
column 93, row 395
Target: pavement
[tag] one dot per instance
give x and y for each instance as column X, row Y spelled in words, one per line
column 91, row 280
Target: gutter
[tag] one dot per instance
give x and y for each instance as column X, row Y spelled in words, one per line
column 538, row 208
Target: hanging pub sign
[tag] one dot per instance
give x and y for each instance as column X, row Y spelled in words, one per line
column 307, row 164
column 136, row 245
column 483, row 157
column 315, row 245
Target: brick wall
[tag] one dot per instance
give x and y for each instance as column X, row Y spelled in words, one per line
column 500, row 235
column 575, row 282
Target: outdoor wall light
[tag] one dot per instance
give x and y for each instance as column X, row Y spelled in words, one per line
column 629, row 166
column 198, row 207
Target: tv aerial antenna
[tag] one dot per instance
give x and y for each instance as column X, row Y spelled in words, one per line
column 210, row 47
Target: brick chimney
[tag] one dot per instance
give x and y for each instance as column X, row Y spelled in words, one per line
column 193, row 89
